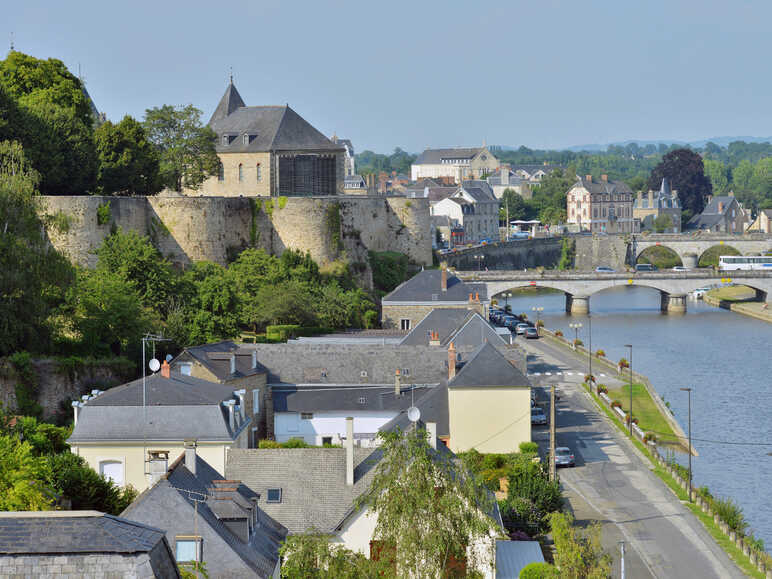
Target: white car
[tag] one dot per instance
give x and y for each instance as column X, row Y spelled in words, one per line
column 680, row 268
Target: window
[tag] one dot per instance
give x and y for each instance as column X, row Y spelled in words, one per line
column 404, row 323
column 246, row 139
column 188, row 548
column 405, row 371
column 274, row 496
column 362, row 400
column 307, row 415
column 186, row 368
column 255, row 401
column 220, row 172
column 112, row 470
column 326, row 440
column 241, row 172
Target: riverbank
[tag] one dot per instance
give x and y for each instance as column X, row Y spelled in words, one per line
column 738, row 299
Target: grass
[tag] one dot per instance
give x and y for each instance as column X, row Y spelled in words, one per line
column 721, row 539
column 733, row 293
column 645, row 410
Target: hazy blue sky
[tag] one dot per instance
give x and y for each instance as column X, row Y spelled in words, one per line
column 416, row 74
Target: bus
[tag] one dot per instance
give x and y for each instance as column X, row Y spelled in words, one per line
column 730, row 262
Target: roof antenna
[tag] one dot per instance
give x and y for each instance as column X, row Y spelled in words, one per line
column 11, row 41
column 231, row 73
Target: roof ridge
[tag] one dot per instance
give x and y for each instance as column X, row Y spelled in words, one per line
column 279, row 127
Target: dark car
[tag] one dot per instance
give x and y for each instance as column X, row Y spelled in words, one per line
column 645, row 267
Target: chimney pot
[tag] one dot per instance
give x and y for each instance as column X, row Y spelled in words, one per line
column 476, row 296
column 190, row 456
column 604, row 178
column 350, row 451
column 471, row 297
column 588, row 178
column 165, row 369
column 451, row 361
column 720, row 206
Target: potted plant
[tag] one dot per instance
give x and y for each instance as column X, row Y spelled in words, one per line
column 578, row 343
column 623, row 363
column 616, row 404
column 558, row 334
column 600, row 353
column 602, row 389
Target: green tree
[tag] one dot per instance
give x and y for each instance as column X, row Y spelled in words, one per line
column 742, row 175
column 579, row 554
column 718, row 174
column 185, row 147
column 662, row 223
column 685, row 170
column 531, row 496
column 215, row 304
column 35, row 275
column 285, row 303
column 312, row 556
column 518, row 208
column 428, row 508
column 20, row 489
column 128, row 162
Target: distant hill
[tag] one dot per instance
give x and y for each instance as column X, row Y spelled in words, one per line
column 720, row 141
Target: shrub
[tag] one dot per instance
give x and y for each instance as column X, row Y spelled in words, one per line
column 589, row 378
column 649, row 437
column 704, row 492
column 558, row 333
column 602, row 388
column 616, row 404
column 529, row 447
column 291, row 443
column 627, row 420
column 731, row 513
column 104, row 215
column 623, row 363
column 600, row 353
column 538, row 571
column 578, row 343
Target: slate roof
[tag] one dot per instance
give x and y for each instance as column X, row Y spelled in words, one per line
column 710, row 216
column 312, row 482
column 535, row 168
column 425, row 286
column 712, row 207
column 435, row 156
column 74, row 532
column 354, row 182
column 261, row 552
column 662, row 199
column 514, row 178
column 433, row 405
column 313, row 398
column 438, row 193
column 480, row 190
column 444, row 321
column 605, row 187
column 487, row 367
column 211, row 357
column 178, row 408
column 270, row 128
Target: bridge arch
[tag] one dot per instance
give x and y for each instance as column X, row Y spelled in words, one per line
column 665, row 257
column 709, row 257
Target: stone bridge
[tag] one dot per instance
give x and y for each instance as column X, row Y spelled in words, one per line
column 690, row 246
column 578, row 287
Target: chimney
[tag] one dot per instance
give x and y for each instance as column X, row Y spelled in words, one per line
column 477, row 297
column 76, row 406
column 434, row 339
column 190, row 456
column 444, row 283
column 504, row 176
column 451, row 361
column 588, row 178
column 604, row 178
column 431, row 434
column 255, row 510
column 229, row 404
column 397, row 383
column 651, row 199
column 165, row 369
column 254, row 359
column 640, row 199
column 233, row 363
column 720, row 206
column 350, row 451
column 471, row 297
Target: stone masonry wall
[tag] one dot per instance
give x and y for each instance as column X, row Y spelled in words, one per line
column 187, row 229
column 600, row 250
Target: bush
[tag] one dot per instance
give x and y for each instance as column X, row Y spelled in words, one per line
column 627, row 420
column 578, row 343
column 389, row 269
column 649, row 437
column 529, row 447
column 600, row 353
column 616, row 404
column 623, row 363
column 538, row 571
column 291, row 443
column 282, row 333
column 558, row 333
column 731, row 513
column 589, row 378
column 602, row 389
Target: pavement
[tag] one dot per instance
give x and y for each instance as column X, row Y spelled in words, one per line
column 612, row 482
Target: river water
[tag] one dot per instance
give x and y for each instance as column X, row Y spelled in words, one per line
column 726, row 358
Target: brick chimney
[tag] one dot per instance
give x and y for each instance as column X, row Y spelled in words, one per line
column 350, row 451
column 477, row 297
column 165, row 369
column 397, row 383
column 604, row 178
column 444, row 279
column 451, row 361
column 588, row 178
column 471, row 297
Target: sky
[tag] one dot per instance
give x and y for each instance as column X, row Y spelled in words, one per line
column 417, row 74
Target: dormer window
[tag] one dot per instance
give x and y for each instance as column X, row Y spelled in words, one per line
column 274, row 496
column 246, row 139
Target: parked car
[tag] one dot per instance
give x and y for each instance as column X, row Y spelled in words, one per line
column 645, row 267
column 564, row 456
column 604, row 269
column 680, row 268
column 521, row 327
column 538, row 416
column 531, row 333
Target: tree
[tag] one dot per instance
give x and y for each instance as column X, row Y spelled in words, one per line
column 685, row 170
column 514, row 203
column 185, row 147
column 428, row 509
column 214, row 307
column 19, row 473
column 579, row 554
column 312, row 556
column 662, row 223
column 531, row 497
column 35, row 276
column 718, row 175
column 128, row 162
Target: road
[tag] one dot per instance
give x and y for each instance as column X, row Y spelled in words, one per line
column 613, row 483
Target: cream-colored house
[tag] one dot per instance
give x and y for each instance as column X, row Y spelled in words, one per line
column 458, row 164
column 762, row 223
column 131, row 433
column 489, row 403
column 474, row 207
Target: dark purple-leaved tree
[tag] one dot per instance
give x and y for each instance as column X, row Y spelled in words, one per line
column 684, row 169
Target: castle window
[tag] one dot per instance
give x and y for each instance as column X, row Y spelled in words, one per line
column 259, row 173
column 220, row 172
column 241, row 172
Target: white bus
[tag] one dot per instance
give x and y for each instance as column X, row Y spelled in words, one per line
column 730, row 262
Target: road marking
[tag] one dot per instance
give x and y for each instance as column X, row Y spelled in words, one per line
column 569, row 373
column 548, row 373
column 603, row 375
column 536, row 374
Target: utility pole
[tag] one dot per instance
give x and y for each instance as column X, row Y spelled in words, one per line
column 689, row 391
column 622, row 546
column 553, row 473
column 589, row 329
column 631, row 387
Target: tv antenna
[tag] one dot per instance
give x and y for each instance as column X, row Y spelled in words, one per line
column 154, row 366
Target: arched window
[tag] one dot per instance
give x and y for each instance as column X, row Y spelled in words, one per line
column 259, row 173
column 241, row 172
column 220, row 172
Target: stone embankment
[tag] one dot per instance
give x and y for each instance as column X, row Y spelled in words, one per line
column 759, row 310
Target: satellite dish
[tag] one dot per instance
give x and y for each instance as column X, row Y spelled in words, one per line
column 168, row 357
column 413, row 414
column 154, row 365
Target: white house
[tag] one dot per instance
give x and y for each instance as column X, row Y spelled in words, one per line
column 457, row 163
column 474, row 207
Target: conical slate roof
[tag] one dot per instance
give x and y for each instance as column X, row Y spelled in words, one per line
column 229, row 102
column 665, row 188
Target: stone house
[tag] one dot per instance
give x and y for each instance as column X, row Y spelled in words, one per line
column 723, row 214
column 270, row 151
column 601, row 206
column 520, row 178
column 236, row 366
column 129, row 432
column 663, row 202
column 82, row 544
column 762, row 223
column 458, row 164
column 413, row 299
column 208, row 519
column 473, row 207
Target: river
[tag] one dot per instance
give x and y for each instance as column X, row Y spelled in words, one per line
column 726, row 358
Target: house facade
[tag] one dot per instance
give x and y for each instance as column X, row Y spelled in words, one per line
column 601, row 206
column 129, row 433
column 762, row 223
column 473, row 207
column 723, row 214
column 270, row 151
column 656, row 203
column 458, row 164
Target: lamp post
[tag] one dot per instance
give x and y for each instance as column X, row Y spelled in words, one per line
column 538, row 310
column 576, row 327
column 589, row 351
column 689, row 391
column 631, row 387
column 507, row 295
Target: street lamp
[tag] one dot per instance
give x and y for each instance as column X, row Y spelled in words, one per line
column 589, row 352
column 538, row 310
column 689, row 391
column 631, row 387
column 507, row 295
column 576, row 327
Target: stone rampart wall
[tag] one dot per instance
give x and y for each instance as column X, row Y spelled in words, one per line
column 526, row 253
column 188, row 229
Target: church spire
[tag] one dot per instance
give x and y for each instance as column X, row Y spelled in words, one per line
column 229, row 102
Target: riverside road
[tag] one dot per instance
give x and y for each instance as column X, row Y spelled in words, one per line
column 612, row 482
